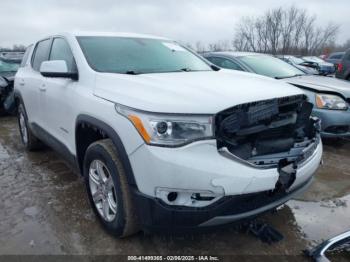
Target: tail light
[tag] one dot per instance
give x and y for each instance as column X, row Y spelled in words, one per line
column 340, row 67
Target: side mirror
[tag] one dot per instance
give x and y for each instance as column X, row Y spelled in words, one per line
column 57, row 68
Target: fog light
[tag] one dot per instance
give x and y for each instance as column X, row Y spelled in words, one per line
column 190, row 197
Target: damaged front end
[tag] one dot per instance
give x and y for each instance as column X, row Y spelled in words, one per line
column 277, row 133
column 7, row 100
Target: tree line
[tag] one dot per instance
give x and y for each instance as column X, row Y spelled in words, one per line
column 280, row 30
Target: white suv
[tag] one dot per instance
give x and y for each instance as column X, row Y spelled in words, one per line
column 163, row 138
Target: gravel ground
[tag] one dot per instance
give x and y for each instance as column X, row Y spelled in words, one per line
column 44, row 210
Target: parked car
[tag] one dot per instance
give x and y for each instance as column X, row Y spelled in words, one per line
column 9, row 64
column 160, row 134
column 343, row 69
column 335, row 58
column 298, row 62
column 330, row 96
column 324, row 56
column 323, row 67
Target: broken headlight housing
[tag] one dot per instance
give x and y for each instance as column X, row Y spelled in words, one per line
column 333, row 102
column 161, row 129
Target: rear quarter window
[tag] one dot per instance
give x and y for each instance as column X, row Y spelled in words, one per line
column 26, row 56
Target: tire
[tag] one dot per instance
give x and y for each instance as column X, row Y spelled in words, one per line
column 102, row 165
column 29, row 140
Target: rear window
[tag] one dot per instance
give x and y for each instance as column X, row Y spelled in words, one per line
column 338, row 56
column 41, row 53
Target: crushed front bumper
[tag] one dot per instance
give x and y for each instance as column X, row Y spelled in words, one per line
column 154, row 215
column 248, row 191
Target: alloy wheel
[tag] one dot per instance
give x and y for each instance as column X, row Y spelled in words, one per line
column 103, row 190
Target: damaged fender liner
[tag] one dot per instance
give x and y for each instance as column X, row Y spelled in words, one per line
column 277, row 133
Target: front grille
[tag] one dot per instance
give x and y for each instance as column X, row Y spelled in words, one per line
column 253, row 130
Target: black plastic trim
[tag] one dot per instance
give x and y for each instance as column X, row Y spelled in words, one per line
column 112, row 134
column 155, row 215
column 53, row 142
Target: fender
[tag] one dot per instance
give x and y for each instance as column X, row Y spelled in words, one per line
column 112, row 134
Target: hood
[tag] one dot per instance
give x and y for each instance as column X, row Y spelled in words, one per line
column 321, row 84
column 189, row 92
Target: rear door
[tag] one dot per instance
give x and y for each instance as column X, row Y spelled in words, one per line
column 59, row 99
column 30, row 82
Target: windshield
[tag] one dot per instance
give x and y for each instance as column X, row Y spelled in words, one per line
column 6, row 66
column 138, row 55
column 313, row 59
column 270, row 66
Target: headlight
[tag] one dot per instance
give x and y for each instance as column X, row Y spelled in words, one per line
column 326, row 101
column 161, row 129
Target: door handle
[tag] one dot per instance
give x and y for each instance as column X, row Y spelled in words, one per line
column 21, row 83
column 42, row 88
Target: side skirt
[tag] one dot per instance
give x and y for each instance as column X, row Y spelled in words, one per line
column 55, row 144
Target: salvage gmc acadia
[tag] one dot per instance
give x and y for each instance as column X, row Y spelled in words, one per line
column 164, row 139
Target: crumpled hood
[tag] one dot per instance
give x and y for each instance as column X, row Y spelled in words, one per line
column 189, row 92
column 321, row 84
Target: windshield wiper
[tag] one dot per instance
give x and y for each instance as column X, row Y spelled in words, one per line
column 283, row 77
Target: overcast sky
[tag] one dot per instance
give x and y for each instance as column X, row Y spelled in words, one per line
column 24, row 21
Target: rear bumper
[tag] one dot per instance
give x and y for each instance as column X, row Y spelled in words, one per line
column 156, row 216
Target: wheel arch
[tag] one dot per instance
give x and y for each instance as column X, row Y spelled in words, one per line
column 106, row 131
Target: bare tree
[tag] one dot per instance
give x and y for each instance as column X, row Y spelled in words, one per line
column 283, row 30
column 222, row 45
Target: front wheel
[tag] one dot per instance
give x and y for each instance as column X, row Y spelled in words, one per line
column 108, row 190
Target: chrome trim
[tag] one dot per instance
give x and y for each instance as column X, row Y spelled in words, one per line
column 318, row 252
column 226, row 153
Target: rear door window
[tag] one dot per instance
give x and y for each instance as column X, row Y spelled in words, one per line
column 41, row 53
